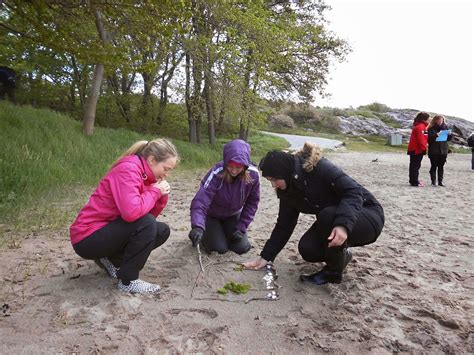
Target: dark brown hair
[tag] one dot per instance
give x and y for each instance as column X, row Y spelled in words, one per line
column 421, row 117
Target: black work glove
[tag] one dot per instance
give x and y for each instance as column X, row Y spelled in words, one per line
column 196, row 235
column 237, row 236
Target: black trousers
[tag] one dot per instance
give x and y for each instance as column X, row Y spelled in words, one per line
column 437, row 164
column 414, row 168
column 218, row 234
column 127, row 245
column 313, row 245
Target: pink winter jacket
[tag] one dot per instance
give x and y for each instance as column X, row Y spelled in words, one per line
column 126, row 191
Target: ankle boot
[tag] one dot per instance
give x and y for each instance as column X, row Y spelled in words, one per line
column 329, row 276
column 433, row 177
column 440, row 177
column 323, row 277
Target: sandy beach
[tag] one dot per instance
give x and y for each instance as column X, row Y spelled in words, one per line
column 412, row 291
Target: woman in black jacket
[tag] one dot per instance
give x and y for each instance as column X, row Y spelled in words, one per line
column 347, row 213
column 437, row 150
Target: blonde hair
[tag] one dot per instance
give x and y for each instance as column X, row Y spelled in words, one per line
column 436, row 119
column 160, row 149
column 312, row 154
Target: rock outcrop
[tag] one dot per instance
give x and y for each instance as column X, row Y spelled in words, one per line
column 280, row 120
column 380, row 124
column 400, row 121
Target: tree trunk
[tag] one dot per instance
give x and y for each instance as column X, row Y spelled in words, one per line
column 209, row 106
column 91, row 102
column 167, row 76
column 163, row 102
column 147, row 86
column 245, row 120
column 120, row 96
column 191, row 121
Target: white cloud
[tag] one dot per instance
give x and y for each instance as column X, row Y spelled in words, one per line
column 406, row 54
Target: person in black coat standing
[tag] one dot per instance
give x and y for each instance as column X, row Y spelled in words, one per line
column 348, row 215
column 437, row 150
column 470, row 143
column 7, row 83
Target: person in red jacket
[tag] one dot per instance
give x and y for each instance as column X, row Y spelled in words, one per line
column 117, row 228
column 417, row 146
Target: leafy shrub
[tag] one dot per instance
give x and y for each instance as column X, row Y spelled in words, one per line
column 375, row 107
column 300, row 112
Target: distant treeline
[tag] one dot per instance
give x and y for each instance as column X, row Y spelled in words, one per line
column 120, row 63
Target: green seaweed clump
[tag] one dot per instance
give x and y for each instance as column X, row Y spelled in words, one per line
column 239, row 267
column 235, row 288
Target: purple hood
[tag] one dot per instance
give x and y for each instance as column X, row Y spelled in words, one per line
column 238, row 151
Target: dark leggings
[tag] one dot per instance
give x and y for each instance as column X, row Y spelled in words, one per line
column 313, row 245
column 218, row 234
column 414, row 168
column 127, row 245
column 437, row 164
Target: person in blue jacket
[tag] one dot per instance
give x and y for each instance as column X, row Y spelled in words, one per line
column 226, row 202
column 437, row 151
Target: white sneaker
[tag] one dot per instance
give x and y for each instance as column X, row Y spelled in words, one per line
column 107, row 265
column 139, row 286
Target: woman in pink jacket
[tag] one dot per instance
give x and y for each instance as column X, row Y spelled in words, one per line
column 117, row 228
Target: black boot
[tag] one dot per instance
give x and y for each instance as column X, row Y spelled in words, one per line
column 326, row 275
column 440, row 177
column 323, row 277
column 433, row 177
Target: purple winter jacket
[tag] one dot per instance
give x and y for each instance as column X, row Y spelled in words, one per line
column 219, row 199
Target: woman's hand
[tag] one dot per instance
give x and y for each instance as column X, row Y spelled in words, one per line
column 163, row 186
column 337, row 237
column 256, row 264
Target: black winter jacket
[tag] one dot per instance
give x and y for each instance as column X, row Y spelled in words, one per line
column 327, row 185
column 437, row 148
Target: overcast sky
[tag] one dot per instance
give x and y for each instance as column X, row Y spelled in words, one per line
column 406, row 54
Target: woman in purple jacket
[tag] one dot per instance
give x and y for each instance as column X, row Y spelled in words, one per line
column 226, row 202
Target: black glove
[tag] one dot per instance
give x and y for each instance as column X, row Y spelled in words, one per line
column 196, row 235
column 237, row 236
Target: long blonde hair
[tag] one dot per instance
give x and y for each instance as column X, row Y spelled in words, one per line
column 436, row 119
column 160, row 149
column 312, row 154
column 244, row 176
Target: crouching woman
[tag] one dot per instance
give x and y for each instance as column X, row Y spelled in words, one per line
column 117, row 228
column 348, row 215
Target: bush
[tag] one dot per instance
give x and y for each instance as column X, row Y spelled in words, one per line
column 300, row 113
column 375, row 107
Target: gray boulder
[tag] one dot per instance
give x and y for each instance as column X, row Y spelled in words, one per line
column 280, row 120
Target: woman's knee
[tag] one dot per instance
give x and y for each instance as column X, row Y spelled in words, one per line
column 241, row 248
column 163, row 230
column 162, row 234
column 214, row 244
column 218, row 248
column 309, row 251
column 147, row 227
